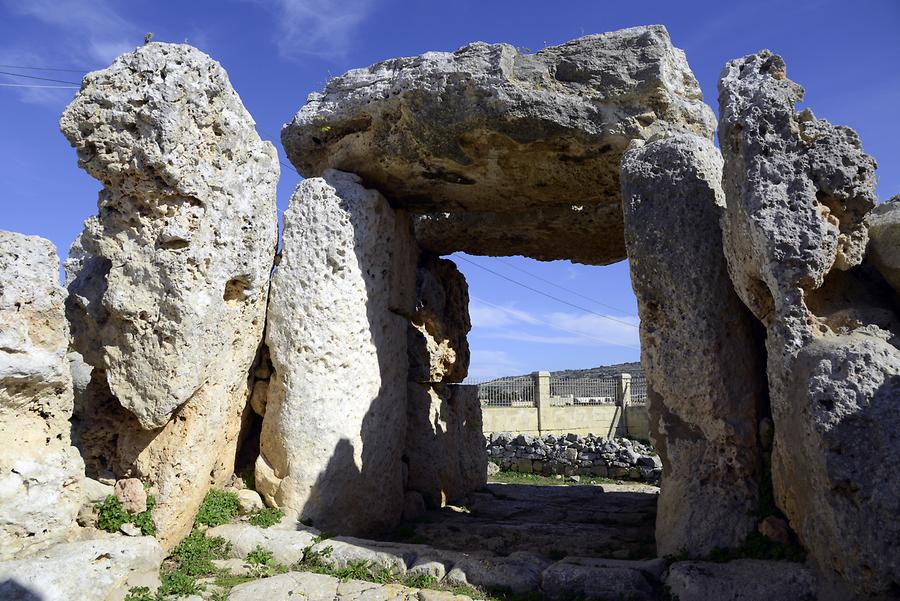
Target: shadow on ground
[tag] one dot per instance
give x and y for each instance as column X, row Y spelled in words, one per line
column 554, row 521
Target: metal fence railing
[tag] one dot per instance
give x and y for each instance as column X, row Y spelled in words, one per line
column 638, row 390
column 507, row 392
column 525, row 391
column 583, row 391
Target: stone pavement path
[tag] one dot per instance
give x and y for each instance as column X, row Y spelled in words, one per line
column 613, row 521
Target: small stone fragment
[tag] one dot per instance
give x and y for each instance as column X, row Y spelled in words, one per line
column 131, row 494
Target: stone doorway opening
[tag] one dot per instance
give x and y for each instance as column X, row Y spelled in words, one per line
column 460, row 155
column 554, row 488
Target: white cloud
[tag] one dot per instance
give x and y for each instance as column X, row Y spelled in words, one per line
column 487, row 365
column 85, row 34
column 323, row 28
column 486, row 316
column 583, row 329
column 93, row 29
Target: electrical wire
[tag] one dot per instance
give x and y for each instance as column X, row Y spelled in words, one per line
column 569, row 290
column 554, row 326
column 28, row 85
column 77, row 83
column 42, row 68
column 542, row 293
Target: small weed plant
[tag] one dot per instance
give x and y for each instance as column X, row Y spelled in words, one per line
column 111, row 516
column 264, row 518
column 218, row 507
column 261, row 562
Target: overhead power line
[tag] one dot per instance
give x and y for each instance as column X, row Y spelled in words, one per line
column 550, row 296
column 553, row 325
column 569, row 290
column 32, row 85
column 42, row 68
column 40, row 78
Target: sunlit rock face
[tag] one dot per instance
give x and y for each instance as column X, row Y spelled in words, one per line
column 489, row 136
column 169, row 281
column 335, row 419
column 40, row 471
column 703, row 358
column 798, row 190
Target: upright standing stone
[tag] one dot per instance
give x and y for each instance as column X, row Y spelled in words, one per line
column 170, row 281
column 444, row 452
column 798, row 190
column 335, row 420
column 438, row 347
column 705, row 373
column 40, row 471
column 444, row 442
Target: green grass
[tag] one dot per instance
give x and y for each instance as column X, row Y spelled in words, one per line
column 218, row 507
column 510, row 477
column 266, row 517
column 111, row 516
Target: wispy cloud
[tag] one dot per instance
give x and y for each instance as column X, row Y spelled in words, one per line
column 93, row 28
column 487, row 365
column 507, row 322
column 86, row 34
column 323, row 28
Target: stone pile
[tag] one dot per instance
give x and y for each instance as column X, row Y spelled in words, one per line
column 572, row 455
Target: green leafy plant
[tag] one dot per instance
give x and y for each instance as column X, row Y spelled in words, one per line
column 266, row 517
column 195, row 553
column 218, row 507
column 262, row 562
column 420, row 581
column 111, row 516
column 177, row 584
column 139, row 593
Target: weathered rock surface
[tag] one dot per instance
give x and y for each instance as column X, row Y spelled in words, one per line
column 92, row 570
column 591, row 578
column 170, row 279
column 287, row 545
column 706, row 388
column 581, row 521
column 444, row 442
column 131, row 494
column 438, row 348
column 797, row 192
column 332, row 437
column 443, row 132
column 740, row 580
column 320, row 587
column 884, row 240
column 589, row 234
column 40, row 471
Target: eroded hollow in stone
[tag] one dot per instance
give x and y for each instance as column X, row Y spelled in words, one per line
column 236, row 290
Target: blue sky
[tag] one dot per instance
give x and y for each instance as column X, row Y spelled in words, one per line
column 277, row 51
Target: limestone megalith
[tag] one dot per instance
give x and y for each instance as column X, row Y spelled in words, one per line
column 798, row 189
column 169, row 281
column 502, row 152
column 335, row 417
column 703, row 357
column 40, row 470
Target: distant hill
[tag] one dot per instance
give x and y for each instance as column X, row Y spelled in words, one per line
column 604, row 371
